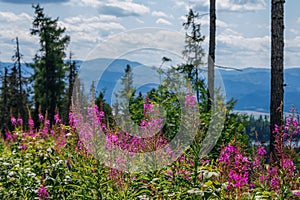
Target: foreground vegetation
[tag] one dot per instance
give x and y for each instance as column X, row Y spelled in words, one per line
column 53, row 163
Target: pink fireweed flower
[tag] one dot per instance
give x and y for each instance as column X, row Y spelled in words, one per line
column 73, row 121
column 31, row 123
column 20, row 121
column 56, row 118
column 148, row 107
column 43, row 193
column 261, row 151
column 238, row 179
column 190, row 100
column 272, row 171
column 275, row 183
column 263, row 179
column 13, row 121
column 226, row 153
column 45, row 131
column 41, row 117
column 8, row 136
column 80, row 145
column 111, row 140
column 101, row 114
column 23, row 146
column 276, row 129
column 205, row 162
column 47, row 122
column 288, row 166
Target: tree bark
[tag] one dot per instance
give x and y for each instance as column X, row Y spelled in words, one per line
column 277, row 56
column 211, row 57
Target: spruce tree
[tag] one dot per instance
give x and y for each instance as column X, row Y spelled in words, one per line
column 49, row 67
column 125, row 96
column 193, row 53
column 4, row 103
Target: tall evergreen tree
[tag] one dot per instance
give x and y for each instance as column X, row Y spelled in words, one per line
column 14, row 96
column 72, row 73
column 127, row 82
column 13, row 91
column 4, row 103
column 193, row 53
column 277, row 51
column 49, row 67
column 126, row 96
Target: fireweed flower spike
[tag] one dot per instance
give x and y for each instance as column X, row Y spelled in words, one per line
column 13, row 121
column 43, row 193
column 57, row 119
column 31, row 123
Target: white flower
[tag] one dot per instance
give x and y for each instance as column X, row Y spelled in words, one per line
column 5, row 164
column 11, row 173
column 31, row 174
column 210, row 174
column 59, row 162
column 69, row 134
column 49, row 150
column 195, row 191
column 155, row 179
column 143, row 197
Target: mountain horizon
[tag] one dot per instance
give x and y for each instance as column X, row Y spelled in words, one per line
column 249, row 86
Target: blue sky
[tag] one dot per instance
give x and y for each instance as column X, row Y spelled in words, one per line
column 243, row 28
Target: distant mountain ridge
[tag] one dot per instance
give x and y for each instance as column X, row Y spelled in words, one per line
column 250, row 87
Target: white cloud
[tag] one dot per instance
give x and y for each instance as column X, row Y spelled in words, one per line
column 123, row 8
column 298, row 20
column 92, row 24
column 294, row 31
column 241, row 5
column 84, row 3
column 236, row 50
column 95, row 19
column 239, row 42
column 163, row 21
column 12, row 17
column 227, row 5
column 113, row 7
column 16, row 25
column 131, row 44
column 139, row 21
column 159, row 14
column 91, row 29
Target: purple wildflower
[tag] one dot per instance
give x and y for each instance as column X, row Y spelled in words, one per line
column 56, row 118
column 20, row 121
column 41, row 117
column 190, row 100
column 261, row 151
column 43, row 193
column 31, row 123
column 148, row 107
column 13, row 121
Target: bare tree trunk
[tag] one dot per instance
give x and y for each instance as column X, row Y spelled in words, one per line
column 277, row 55
column 18, row 57
column 211, row 57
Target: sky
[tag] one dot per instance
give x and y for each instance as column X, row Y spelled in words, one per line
column 126, row 28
